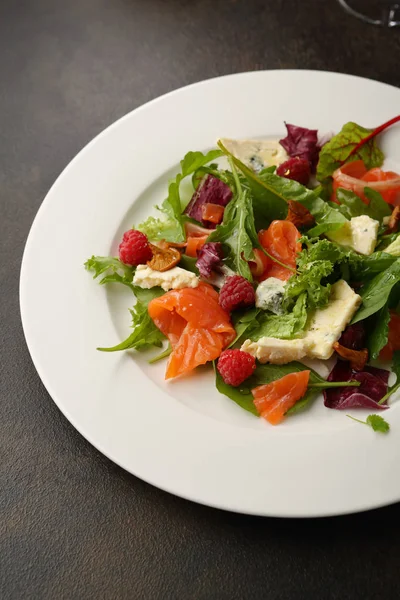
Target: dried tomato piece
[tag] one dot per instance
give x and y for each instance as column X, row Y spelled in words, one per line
column 163, row 258
column 299, row 215
column 357, row 358
column 393, row 224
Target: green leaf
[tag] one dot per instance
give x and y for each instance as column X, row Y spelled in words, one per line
column 394, row 247
column 189, row 263
column 171, row 224
column 164, row 354
column 352, row 206
column 144, row 335
column 271, row 194
column 365, row 267
column 376, row 422
column 244, row 400
column 396, row 371
column 244, row 322
column 378, row 337
column 113, row 269
column 268, row 204
column 237, row 231
column 337, row 151
column 265, row 374
column 376, row 292
column 327, row 217
column 287, row 327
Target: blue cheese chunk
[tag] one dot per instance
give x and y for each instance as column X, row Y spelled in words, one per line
column 275, row 351
column 360, row 234
column 324, row 329
column 173, row 279
column 327, row 324
column 257, row 154
column 269, row 295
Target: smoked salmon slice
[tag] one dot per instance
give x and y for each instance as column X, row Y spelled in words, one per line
column 195, row 324
column 280, row 240
column 274, row 399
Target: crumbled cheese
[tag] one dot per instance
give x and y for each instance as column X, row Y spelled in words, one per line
column 327, row 324
column 269, row 295
column 359, row 234
column 325, row 328
column 173, row 279
column 257, row 154
column 274, row 350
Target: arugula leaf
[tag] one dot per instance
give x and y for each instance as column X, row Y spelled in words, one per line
column 171, row 226
column 237, row 230
column 287, row 327
column 268, row 205
column 339, row 148
column 376, row 292
column 164, row 354
column 376, row 422
column 271, row 194
column 115, row 271
column 144, row 334
column 378, row 337
column 352, row 206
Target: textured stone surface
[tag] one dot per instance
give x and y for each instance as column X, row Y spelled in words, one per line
column 72, row 524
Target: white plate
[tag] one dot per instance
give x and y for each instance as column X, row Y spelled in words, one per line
column 183, row 436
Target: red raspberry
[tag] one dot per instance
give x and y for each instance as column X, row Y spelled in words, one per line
column 235, row 366
column 134, row 248
column 236, row 292
column 298, row 169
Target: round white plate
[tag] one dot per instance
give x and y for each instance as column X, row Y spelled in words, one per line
column 183, row 436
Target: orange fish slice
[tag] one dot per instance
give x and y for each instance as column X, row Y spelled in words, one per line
column 197, row 327
column 274, row 399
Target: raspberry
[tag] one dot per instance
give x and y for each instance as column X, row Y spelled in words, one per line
column 298, row 169
column 134, row 248
column 236, row 292
column 235, row 366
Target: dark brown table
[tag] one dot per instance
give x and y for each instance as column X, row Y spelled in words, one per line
column 72, row 524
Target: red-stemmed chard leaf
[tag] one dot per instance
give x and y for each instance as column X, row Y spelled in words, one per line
column 210, row 190
column 374, row 385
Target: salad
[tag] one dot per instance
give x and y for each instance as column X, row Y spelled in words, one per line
column 265, row 257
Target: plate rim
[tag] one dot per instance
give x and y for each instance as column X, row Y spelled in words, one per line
column 34, row 225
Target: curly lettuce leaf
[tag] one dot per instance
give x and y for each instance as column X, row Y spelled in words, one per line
column 113, row 269
column 170, row 225
column 338, row 150
column 286, row 327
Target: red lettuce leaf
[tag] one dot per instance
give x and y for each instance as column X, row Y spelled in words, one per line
column 302, row 142
column 209, row 258
column 374, row 385
column 210, row 190
column 353, row 336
